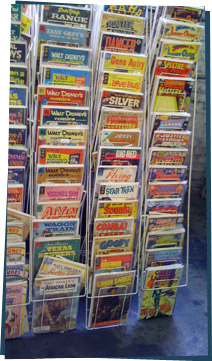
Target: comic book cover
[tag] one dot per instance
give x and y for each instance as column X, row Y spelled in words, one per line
column 63, row 115
column 164, row 222
column 58, row 95
column 65, row 246
column 18, row 206
column 106, row 209
column 119, row 156
column 15, row 231
column 15, row 193
column 18, row 74
column 63, row 55
column 14, row 215
column 118, row 191
column 128, row 63
column 172, row 121
column 121, row 137
column 66, row 15
column 17, row 115
column 54, row 173
column 113, row 118
column 114, row 307
column 13, row 313
column 57, row 193
column 14, row 272
column 167, row 205
column 107, row 262
column 160, row 239
column 171, row 94
column 179, row 49
column 16, row 252
column 185, row 13
column 15, row 30
column 167, row 173
column 161, row 300
column 53, row 210
column 177, row 30
column 113, row 227
column 54, row 227
column 16, row 175
column 124, row 81
column 121, row 99
column 17, row 52
column 118, row 23
column 163, row 257
column 122, row 43
column 17, row 135
column 111, row 245
column 173, row 139
column 135, row 10
column 62, row 135
column 17, row 157
column 172, row 67
column 26, row 22
column 65, row 76
column 167, row 156
column 18, row 95
column 15, row 12
column 167, row 190
column 55, row 314
column 116, row 174
column 61, row 155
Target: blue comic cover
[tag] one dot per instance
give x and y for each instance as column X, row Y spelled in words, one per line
column 17, row 157
column 64, row 76
column 18, row 74
column 18, row 95
column 15, row 30
column 171, row 122
column 17, row 135
column 63, row 115
column 52, row 228
column 164, row 222
column 167, row 190
column 165, row 239
column 16, row 175
column 17, row 52
column 167, row 173
column 163, row 257
column 164, row 206
column 14, row 271
column 17, row 115
column 54, row 54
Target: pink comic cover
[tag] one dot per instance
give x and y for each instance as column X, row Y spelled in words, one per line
column 63, row 192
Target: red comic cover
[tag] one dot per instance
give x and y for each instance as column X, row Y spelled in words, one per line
column 111, row 261
column 173, row 67
column 171, row 139
column 61, row 155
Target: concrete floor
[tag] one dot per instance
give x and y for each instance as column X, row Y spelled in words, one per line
column 183, row 334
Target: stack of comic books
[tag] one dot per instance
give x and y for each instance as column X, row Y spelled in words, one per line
column 175, row 52
column 64, row 77
column 118, row 125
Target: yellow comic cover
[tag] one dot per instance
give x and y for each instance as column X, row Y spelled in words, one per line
column 106, row 209
column 177, row 49
column 26, row 22
column 127, row 82
column 122, row 23
column 124, row 62
column 51, row 135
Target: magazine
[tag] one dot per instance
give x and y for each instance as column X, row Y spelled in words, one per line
column 54, row 227
column 119, row 23
column 106, row 209
column 167, row 205
column 108, row 262
column 15, row 231
column 170, row 121
column 116, row 174
column 17, row 135
column 18, row 74
column 160, row 239
column 128, row 63
column 56, row 173
column 118, row 191
column 125, row 156
column 62, row 135
column 61, row 155
column 167, row 156
column 59, row 192
column 17, row 114
column 64, row 115
column 121, row 137
column 66, row 15
column 164, row 222
column 163, row 190
column 184, row 13
column 56, row 210
column 121, row 99
column 113, row 227
column 135, row 10
column 113, row 118
column 173, row 139
column 16, row 175
column 16, row 252
column 167, row 173
column 122, row 43
column 18, row 52
column 122, row 81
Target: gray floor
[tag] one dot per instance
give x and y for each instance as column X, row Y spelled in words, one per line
column 183, row 334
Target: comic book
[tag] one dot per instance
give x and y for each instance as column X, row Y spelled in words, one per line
column 116, row 174
column 167, row 190
column 167, row 205
column 55, row 173
column 135, row 10
column 15, row 12
column 125, row 156
column 167, row 173
column 14, row 271
column 179, row 49
column 163, row 257
column 119, row 62
column 177, row 30
column 163, row 281
column 122, row 43
column 118, row 191
column 108, row 262
column 171, row 94
column 172, row 68
column 14, row 215
column 113, row 118
column 61, row 155
column 18, row 74
column 57, row 193
column 15, row 193
column 17, row 135
column 64, row 115
column 121, row 99
column 62, row 55
column 185, row 13
column 167, row 156
column 66, row 15
column 106, row 209
column 174, row 139
column 17, row 115
column 18, row 95
column 16, row 175
column 169, row 238
column 57, row 309
column 15, row 30
column 122, row 81
column 13, row 314
column 118, row 23
column 120, row 137
column 65, row 246
column 16, row 206
column 172, row 121
column 55, row 228
column 56, row 210
column 26, row 22
column 16, row 252
column 113, row 227
column 60, row 75
column 164, row 222
column 114, row 307
column 15, row 231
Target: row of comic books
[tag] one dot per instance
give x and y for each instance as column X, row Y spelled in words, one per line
column 118, row 125
column 174, row 55
column 64, row 76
